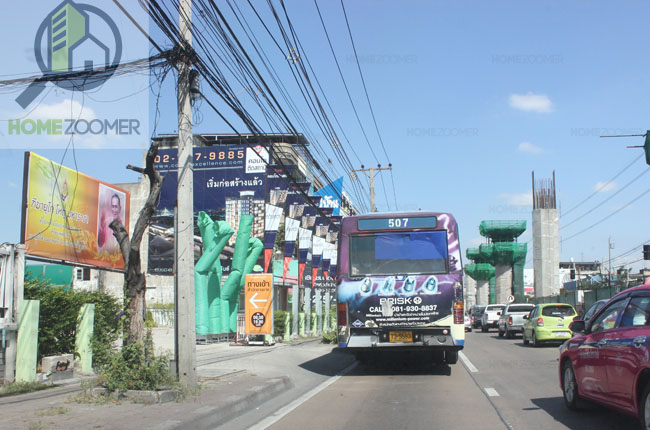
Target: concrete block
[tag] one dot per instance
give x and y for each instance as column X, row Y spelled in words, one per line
column 142, row 396
column 167, row 396
column 57, row 363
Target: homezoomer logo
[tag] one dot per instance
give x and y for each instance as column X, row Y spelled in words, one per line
column 77, row 47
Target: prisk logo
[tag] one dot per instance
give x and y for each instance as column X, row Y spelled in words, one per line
column 396, row 300
column 66, row 50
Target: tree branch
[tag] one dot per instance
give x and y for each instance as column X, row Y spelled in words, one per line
column 155, row 185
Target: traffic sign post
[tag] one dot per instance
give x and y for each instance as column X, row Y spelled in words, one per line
column 511, row 299
column 259, row 303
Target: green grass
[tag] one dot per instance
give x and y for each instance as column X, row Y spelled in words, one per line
column 22, row 388
column 52, row 411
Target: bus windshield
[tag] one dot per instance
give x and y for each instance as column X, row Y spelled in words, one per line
column 403, row 253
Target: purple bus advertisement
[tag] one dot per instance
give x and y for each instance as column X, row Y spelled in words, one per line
column 399, row 285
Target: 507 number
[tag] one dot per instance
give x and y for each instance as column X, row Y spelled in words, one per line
column 398, row 222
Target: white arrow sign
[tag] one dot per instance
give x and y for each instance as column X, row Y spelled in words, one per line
column 254, row 302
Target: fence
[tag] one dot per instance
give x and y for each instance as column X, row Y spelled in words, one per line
column 580, row 299
column 163, row 317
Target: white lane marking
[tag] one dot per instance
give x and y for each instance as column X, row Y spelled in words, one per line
column 491, row 392
column 272, row 419
column 467, row 363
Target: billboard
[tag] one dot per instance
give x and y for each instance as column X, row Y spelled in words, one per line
column 66, row 215
column 227, row 183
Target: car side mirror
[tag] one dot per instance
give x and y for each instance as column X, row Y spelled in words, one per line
column 525, row 317
column 498, row 312
column 577, row 326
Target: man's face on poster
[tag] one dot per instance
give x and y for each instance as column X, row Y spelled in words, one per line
column 115, row 206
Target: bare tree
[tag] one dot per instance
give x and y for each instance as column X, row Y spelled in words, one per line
column 135, row 282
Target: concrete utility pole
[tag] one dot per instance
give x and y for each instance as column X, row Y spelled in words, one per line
column 610, row 246
column 184, row 259
column 371, row 174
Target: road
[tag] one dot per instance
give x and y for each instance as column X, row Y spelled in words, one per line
column 502, row 384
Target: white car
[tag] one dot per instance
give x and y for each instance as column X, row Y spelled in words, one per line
column 491, row 316
column 468, row 323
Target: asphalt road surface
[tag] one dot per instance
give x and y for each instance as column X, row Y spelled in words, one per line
column 498, row 384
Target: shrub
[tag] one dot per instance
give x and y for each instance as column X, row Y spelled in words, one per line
column 59, row 310
column 149, row 321
column 329, row 337
column 135, row 367
column 279, row 322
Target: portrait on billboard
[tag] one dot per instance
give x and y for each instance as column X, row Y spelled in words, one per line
column 111, row 208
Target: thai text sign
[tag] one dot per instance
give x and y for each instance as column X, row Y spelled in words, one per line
column 259, row 303
column 66, row 215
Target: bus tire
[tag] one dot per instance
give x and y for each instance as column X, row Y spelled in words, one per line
column 451, row 356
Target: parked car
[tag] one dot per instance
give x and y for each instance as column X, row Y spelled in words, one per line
column 476, row 312
column 512, row 320
column 608, row 359
column 468, row 322
column 548, row 322
column 491, row 316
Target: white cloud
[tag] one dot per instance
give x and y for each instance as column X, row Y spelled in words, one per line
column 603, row 187
column 64, row 109
column 517, row 199
column 530, row 148
column 531, row 102
column 12, row 184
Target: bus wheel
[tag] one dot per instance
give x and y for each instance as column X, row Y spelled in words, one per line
column 451, row 357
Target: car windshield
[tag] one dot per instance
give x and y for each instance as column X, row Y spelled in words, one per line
column 520, row 308
column 558, row 311
column 495, row 308
column 416, row 252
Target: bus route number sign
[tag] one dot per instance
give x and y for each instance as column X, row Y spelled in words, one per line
column 396, row 223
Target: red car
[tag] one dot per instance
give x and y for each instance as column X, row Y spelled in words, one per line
column 608, row 358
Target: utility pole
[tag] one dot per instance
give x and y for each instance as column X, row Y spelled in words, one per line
column 610, row 246
column 371, row 171
column 185, row 331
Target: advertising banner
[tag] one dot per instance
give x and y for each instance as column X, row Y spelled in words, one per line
column 258, row 291
column 304, row 245
column 290, row 235
column 277, row 189
column 331, row 196
column 318, row 245
column 66, row 215
column 225, row 187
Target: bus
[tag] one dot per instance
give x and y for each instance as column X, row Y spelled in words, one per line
column 399, row 285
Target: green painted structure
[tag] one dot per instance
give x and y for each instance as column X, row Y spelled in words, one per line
column 504, row 251
column 55, row 274
column 216, row 304
column 27, row 344
column 85, row 330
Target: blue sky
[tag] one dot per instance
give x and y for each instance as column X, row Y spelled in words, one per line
column 470, row 97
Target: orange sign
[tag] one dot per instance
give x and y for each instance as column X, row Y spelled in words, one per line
column 259, row 303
